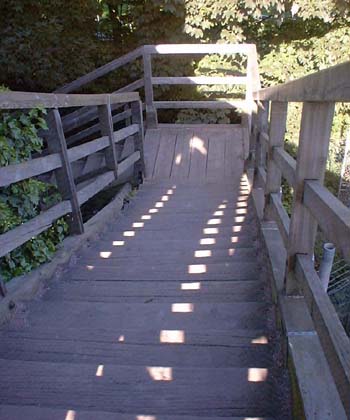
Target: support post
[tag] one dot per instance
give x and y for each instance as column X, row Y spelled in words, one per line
column 137, row 118
column 151, row 112
column 64, row 174
column 326, row 264
column 106, row 124
column 316, row 124
column 262, row 123
column 278, row 119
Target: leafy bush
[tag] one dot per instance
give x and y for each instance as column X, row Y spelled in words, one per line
column 24, row 200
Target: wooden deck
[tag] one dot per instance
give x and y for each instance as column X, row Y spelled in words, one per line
column 169, row 315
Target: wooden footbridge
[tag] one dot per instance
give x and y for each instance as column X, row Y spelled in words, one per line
column 199, row 300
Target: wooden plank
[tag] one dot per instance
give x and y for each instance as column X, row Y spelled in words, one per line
column 260, row 178
column 165, row 154
column 286, row 164
column 151, row 112
column 335, row 342
column 280, row 216
column 200, row 80
column 181, row 162
column 64, row 175
column 316, row 124
column 15, row 173
column 276, row 135
column 198, row 49
column 95, row 186
column 327, row 85
column 216, row 155
column 101, row 71
column 23, row 233
column 233, row 154
column 330, row 213
column 95, row 128
column 112, row 153
column 137, row 119
column 199, row 155
column 24, row 100
column 78, row 152
column 151, row 148
column 128, row 162
column 217, row 104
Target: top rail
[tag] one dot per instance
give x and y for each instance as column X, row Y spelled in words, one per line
column 332, row 84
column 24, row 100
column 168, row 49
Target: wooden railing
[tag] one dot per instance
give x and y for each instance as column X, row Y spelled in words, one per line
column 146, row 53
column 60, row 157
column 313, row 205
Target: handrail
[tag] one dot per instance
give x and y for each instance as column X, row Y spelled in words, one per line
column 60, row 157
column 313, row 204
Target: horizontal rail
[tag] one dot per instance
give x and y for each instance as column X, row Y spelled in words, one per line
column 15, row 173
column 200, row 80
column 101, row 71
column 286, row 164
column 23, row 233
column 169, row 49
column 331, row 84
column 281, row 217
column 261, row 177
column 218, row 104
column 331, row 214
column 25, row 100
column 335, row 342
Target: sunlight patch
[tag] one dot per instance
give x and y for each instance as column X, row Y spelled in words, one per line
column 90, row 267
column 198, row 144
column 146, row 217
column 214, row 221
column 257, row 374
column 153, row 211
column 159, row 204
column 178, row 159
column 99, row 371
column 138, row 225
column 202, row 253
column 260, row 340
column 105, row 254
column 118, row 243
column 218, row 213
column 121, row 339
column 207, row 241
column 70, row 415
column 197, row 268
column 182, row 307
column 129, row 233
column 191, row 286
column 210, row 231
column 160, row 373
column 172, row 336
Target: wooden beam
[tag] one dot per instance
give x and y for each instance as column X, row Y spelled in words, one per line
column 316, row 124
column 151, row 112
column 280, row 216
column 194, row 49
column 218, row 104
column 64, row 175
column 24, row 100
column 101, row 71
column 137, row 119
column 330, row 213
column 199, row 80
column 97, row 185
column 335, row 342
column 329, row 85
column 286, row 164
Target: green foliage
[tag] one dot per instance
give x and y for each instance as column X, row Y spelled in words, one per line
column 24, row 200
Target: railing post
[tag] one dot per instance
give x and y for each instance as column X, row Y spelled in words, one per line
column 137, row 118
column 278, row 119
column 106, row 125
column 316, row 124
column 262, row 126
column 64, row 174
column 151, row 112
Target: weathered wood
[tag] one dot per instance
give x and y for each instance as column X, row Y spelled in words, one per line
column 3, row 289
column 277, row 130
column 151, row 112
column 217, row 104
column 200, row 80
column 128, row 162
column 101, row 71
column 137, row 119
column 316, row 124
column 280, row 215
column 95, row 128
column 330, row 213
column 331, row 84
column 24, row 100
column 286, row 164
column 260, row 177
column 18, row 172
column 23, row 233
column 112, row 153
column 262, row 125
column 95, row 186
column 64, row 175
column 334, row 340
column 198, row 49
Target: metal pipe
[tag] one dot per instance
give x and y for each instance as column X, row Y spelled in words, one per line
column 326, row 264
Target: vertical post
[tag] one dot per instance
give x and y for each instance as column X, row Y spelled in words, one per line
column 278, row 119
column 316, row 124
column 151, row 112
column 106, row 124
column 64, row 174
column 137, row 118
column 326, row 264
column 262, row 123
column 3, row 290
